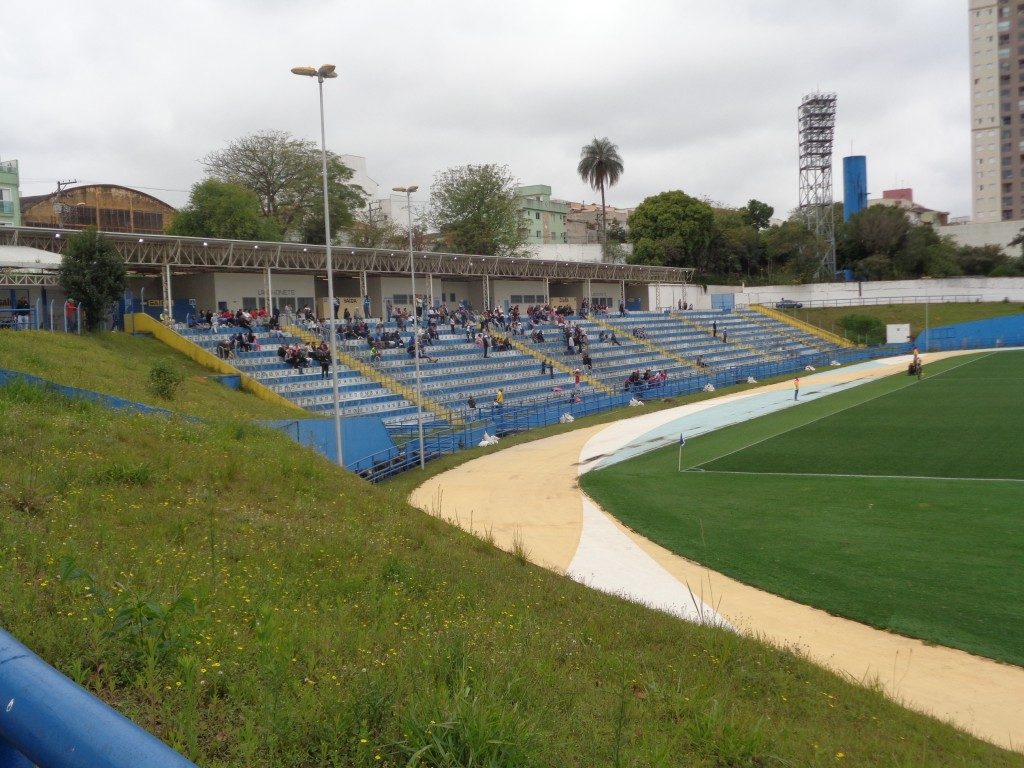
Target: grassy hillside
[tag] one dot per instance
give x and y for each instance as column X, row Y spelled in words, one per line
column 119, row 364
column 253, row 606
column 938, row 314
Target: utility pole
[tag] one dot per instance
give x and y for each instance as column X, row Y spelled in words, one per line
column 59, row 206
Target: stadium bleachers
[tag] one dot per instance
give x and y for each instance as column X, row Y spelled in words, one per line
column 460, row 372
column 683, row 344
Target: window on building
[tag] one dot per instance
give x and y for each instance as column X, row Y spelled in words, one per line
column 250, row 303
column 536, row 215
column 79, row 215
column 148, row 221
column 115, row 220
column 539, row 233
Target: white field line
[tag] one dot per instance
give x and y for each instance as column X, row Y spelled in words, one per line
column 856, row 476
column 833, row 413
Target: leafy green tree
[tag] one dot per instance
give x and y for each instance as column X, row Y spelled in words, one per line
column 925, row 252
column 738, row 249
column 878, row 230
column 616, row 233
column 757, row 214
column 474, row 210
column 790, row 251
column 600, row 166
column 374, row 229
column 672, row 229
column 221, row 209
column 286, row 175
column 983, row 260
column 92, row 273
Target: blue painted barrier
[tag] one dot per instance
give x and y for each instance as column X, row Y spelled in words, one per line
column 993, row 332
column 108, row 401
column 48, row 720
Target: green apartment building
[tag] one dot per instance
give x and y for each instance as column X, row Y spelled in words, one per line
column 543, row 220
column 10, row 202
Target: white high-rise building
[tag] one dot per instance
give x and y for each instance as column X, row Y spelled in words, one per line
column 997, row 110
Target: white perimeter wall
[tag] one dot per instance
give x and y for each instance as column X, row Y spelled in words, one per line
column 577, row 252
column 880, row 292
column 288, row 289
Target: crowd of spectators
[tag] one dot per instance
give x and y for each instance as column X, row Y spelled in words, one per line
column 648, row 379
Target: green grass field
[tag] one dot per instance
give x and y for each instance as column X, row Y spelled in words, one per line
column 899, row 503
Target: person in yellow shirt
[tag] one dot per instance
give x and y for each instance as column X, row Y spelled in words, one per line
column 499, row 397
column 796, row 388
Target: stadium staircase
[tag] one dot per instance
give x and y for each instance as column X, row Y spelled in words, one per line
column 806, row 328
column 538, row 356
column 739, row 334
column 651, row 345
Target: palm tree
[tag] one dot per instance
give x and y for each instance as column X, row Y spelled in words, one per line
column 600, row 165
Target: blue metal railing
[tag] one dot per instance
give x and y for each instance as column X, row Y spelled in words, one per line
column 51, row 722
column 519, row 417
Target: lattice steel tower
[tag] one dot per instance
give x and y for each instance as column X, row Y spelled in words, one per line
column 816, row 120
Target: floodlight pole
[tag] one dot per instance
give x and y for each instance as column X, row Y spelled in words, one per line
column 416, row 318
column 325, row 72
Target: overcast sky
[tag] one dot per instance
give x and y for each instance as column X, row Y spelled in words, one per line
column 698, row 96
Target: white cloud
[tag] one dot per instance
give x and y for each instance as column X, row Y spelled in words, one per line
column 701, row 97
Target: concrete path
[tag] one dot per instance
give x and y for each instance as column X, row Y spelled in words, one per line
column 527, row 498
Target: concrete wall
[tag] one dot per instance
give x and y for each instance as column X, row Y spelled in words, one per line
column 883, row 292
column 232, row 287
column 503, row 290
column 198, row 287
column 994, row 233
column 567, row 252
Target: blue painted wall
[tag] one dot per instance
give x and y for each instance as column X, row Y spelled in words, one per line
column 994, row 332
column 855, row 185
column 108, row 401
column 364, row 439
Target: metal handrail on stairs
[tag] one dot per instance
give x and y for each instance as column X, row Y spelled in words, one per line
column 525, row 349
column 389, row 382
column 656, row 348
column 735, row 342
column 814, row 330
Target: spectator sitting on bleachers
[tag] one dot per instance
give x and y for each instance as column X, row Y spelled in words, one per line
column 537, row 337
column 588, row 363
column 296, row 356
column 225, row 349
column 639, row 333
column 412, row 348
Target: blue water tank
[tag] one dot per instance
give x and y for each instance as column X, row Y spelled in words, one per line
column 855, row 185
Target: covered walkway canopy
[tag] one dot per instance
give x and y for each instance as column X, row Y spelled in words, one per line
column 152, row 253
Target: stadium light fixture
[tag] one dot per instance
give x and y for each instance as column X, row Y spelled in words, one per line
column 407, row 191
column 325, row 72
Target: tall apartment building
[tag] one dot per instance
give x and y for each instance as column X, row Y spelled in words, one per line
column 997, row 109
column 543, row 219
column 10, row 204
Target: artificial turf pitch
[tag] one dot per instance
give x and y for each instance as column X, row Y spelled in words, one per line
column 899, row 503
